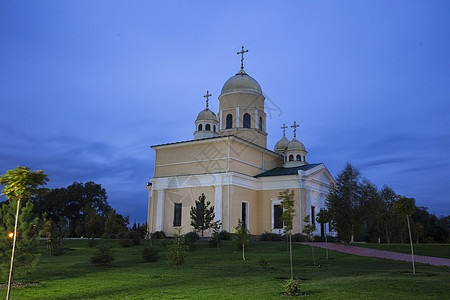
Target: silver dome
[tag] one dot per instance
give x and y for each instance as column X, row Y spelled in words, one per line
column 207, row 114
column 295, row 145
column 281, row 144
column 241, row 82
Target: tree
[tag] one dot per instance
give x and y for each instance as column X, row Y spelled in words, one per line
column 343, row 203
column 242, row 237
column 324, row 217
column 308, row 230
column 202, row 215
column 287, row 203
column 388, row 196
column 406, row 206
column 22, row 184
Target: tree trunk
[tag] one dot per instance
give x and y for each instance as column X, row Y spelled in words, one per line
column 10, row 281
column 352, row 240
column 290, row 254
column 314, row 258
column 326, row 245
column 243, row 251
column 412, row 249
column 387, row 235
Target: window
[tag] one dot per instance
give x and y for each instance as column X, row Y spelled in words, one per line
column 214, row 127
column 247, row 122
column 244, row 215
column 229, row 121
column 260, row 123
column 313, row 216
column 200, row 127
column 277, row 213
column 299, row 158
column 291, row 157
column 208, row 127
column 177, row 214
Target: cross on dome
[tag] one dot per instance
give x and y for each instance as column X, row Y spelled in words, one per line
column 207, row 98
column 242, row 59
column 284, row 128
column 295, row 128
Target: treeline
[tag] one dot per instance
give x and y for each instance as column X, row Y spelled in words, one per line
column 362, row 212
column 81, row 209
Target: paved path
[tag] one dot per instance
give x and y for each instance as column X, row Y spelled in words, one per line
column 361, row 251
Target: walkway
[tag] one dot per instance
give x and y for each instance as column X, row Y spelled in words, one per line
column 361, row 251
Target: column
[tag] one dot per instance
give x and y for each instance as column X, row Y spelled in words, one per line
column 160, row 211
column 218, row 203
column 256, row 119
column 237, row 117
column 220, row 120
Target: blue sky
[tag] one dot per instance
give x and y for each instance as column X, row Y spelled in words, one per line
column 88, row 86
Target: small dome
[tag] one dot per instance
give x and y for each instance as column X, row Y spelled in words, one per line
column 207, row 114
column 241, row 82
column 295, row 145
column 281, row 145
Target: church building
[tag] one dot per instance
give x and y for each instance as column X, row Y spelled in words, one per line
column 228, row 160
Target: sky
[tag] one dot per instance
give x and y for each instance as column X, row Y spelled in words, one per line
column 87, row 87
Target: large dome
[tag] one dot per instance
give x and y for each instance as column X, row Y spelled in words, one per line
column 241, row 82
column 207, row 114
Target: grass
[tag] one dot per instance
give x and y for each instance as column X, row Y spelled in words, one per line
column 436, row 250
column 208, row 274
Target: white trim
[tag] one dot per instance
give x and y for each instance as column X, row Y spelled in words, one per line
column 160, row 211
column 191, row 162
column 275, row 201
column 247, row 210
column 218, row 203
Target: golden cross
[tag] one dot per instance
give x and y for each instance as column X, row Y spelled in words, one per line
column 242, row 59
column 295, row 128
column 207, row 98
column 284, row 128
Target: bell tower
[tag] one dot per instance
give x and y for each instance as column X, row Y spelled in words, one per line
column 241, row 108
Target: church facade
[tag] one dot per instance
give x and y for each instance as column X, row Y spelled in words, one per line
column 228, row 161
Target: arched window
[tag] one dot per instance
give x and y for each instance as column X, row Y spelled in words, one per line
column 247, row 123
column 229, row 121
column 299, row 158
column 214, row 127
column 208, row 127
column 260, row 123
column 200, row 127
column 291, row 157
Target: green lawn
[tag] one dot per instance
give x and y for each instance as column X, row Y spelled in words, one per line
column 436, row 250
column 210, row 275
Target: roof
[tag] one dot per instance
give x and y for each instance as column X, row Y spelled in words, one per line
column 281, row 171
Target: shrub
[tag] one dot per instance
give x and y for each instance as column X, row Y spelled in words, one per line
column 150, row 254
column 126, row 243
column 108, row 236
column 159, row 235
column 134, row 236
column 263, row 263
column 224, row 235
column 103, row 256
column 192, row 236
column 177, row 251
column 298, row 237
column 92, row 242
column 213, row 242
column 292, row 288
column 269, row 236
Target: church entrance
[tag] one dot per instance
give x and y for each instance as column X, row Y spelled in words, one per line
column 277, row 213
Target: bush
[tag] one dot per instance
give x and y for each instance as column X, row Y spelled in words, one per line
column 108, row 236
column 269, row 236
column 213, row 242
column 192, row 236
column 103, row 256
column 263, row 263
column 177, row 251
column 298, row 237
column 292, row 288
column 150, row 254
column 159, row 235
column 92, row 242
column 224, row 235
column 126, row 243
